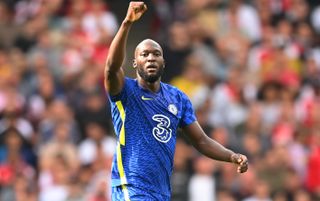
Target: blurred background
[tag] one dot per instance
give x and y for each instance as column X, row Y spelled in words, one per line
column 250, row 67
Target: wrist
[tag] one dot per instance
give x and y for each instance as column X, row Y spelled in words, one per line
column 127, row 22
column 234, row 157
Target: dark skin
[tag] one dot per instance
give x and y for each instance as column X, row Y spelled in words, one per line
column 149, row 63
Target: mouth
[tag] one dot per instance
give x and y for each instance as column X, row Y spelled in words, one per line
column 152, row 68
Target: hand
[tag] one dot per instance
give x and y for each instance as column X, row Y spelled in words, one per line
column 241, row 161
column 135, row 10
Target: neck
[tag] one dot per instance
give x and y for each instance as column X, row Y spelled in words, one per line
column 153, row 87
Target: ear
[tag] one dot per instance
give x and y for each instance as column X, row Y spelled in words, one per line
column 134, row 63
column 164, row 64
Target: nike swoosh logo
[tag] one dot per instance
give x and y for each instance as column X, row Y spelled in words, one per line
column 145, row 98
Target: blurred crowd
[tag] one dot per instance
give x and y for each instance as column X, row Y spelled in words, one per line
column 250, row 67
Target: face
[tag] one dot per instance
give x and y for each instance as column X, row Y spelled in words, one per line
column 149, row 61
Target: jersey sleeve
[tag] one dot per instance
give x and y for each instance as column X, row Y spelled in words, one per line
column 188, row 114
column 122, row 95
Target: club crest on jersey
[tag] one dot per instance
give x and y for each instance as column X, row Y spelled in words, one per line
column 162, row 131
column 173, row 109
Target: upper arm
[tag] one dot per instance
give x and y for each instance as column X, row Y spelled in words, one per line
column 114, row 81
column 195, row 134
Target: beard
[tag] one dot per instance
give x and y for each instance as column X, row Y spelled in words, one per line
column 150, row 78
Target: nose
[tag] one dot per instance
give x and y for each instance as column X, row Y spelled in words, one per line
column 151, row 57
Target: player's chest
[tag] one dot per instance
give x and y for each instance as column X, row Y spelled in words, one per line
column 158, row 105
column 161, row 115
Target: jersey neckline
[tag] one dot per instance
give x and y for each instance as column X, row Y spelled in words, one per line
column 148, row 91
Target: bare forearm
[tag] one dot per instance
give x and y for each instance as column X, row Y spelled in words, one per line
column 117, row 49
column 213, row 149
column 114, row 74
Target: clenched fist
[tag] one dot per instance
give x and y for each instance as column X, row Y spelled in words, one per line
column 241, row 161
column 135, row 10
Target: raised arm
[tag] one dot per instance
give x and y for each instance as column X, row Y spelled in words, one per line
column 213, row 149
column 114, row 75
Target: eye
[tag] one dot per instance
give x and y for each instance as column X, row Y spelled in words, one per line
column 144, row 54
column 158, row 54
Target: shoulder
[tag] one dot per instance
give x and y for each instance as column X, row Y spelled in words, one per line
column 171, row 89
column 174, row 91
column 129, row 82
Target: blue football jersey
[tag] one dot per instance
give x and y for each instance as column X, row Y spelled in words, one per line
column 146, row 124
